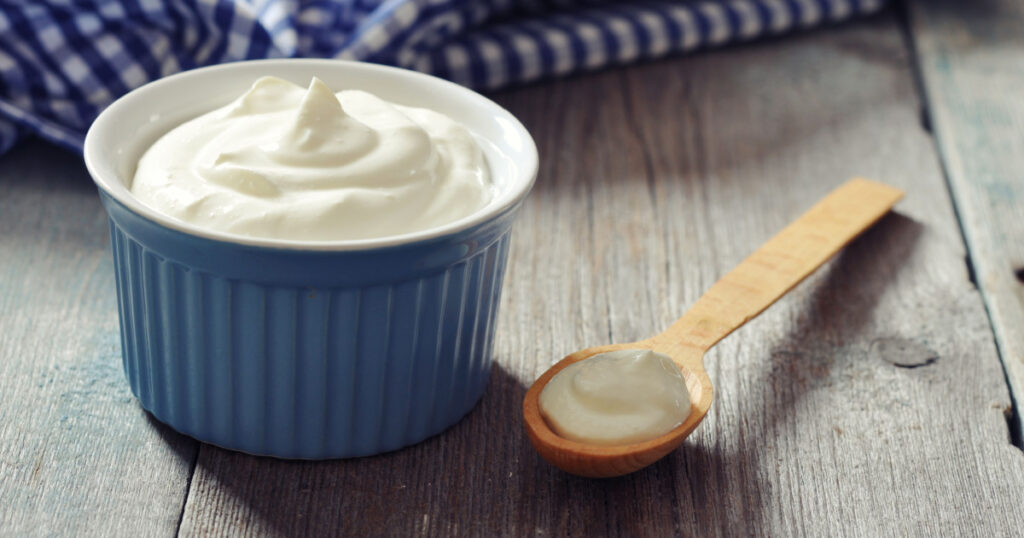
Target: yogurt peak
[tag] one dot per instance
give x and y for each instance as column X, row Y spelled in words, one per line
column 286, row 162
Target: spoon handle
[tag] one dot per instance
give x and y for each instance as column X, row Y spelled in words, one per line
column 783, row 262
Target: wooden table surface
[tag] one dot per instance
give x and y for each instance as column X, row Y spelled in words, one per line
column 876, row 399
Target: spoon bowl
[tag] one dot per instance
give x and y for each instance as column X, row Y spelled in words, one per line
column 743, row 293
column 598, row 461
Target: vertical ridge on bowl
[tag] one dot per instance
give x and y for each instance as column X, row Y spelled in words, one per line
column 481, row 370
column 323, row 360
column 167, row 343
column 217, row 341
column 428, row 363
column 313, row 323
column 133, row 304
column 196, row 422
column 368, row 373
column 390, row 313
column 451, row 342
column 471, row 323
column 181, row 409
column 248, row 309
column 117, row 247
column 339, row 414
column 401, row 427
column 403, row 313
column 280, row 333
column 147, row 308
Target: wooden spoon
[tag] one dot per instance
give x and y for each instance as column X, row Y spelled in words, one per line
column 740, row 295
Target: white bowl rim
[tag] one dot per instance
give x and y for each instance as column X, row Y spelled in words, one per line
column 517, row 189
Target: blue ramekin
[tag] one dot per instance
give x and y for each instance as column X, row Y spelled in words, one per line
column 298, row 349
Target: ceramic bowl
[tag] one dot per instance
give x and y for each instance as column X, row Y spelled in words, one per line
column 302, row 349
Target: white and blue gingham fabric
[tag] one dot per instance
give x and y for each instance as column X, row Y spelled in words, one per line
column 62, row 61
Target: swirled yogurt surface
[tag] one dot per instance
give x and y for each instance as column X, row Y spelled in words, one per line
column 616, row 398
column 287, row 162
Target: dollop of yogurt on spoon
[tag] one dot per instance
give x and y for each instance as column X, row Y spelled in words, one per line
column 616, row 398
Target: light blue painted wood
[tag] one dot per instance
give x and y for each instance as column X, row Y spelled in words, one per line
column 971, row 58
column 78, row 456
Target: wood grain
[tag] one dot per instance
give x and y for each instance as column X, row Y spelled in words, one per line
column 971, row 59
column 655, row 180
column 78, row 456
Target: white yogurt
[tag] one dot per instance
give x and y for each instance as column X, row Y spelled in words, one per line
column 616, row 398
column 286, row 162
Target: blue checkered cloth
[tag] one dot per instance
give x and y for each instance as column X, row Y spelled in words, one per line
column 63, row 61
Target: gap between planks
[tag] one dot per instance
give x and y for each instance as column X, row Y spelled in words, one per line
column 932, row 96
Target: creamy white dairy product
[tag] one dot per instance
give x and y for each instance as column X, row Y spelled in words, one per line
column 286, row 162
column 616, row 398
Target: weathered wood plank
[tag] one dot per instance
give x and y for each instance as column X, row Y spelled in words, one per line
column 655, row 180
column 78, row 456
column 971, row 58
